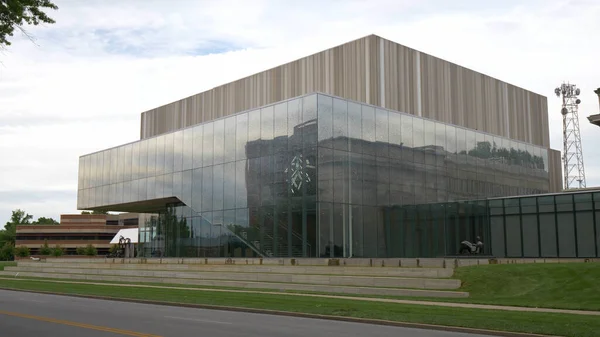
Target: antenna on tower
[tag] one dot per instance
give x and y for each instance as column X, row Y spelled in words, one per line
column 573, row 170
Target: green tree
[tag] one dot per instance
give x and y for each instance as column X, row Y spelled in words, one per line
column 93, row 212
column 15, row 14
column 22, row 251
column 57, row 251
column 7, row 253
column 45, row 221
column 91, row 250
column 19, row 217
column 45, row 249
column 80, row 251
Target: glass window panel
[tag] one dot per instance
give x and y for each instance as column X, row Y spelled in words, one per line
column 564, row 203
column 142, row 189
column 341, row 176
column 325, row 228
column 418, row 140
column 217, row 187
column 340, row 124
column 545, row 159
column 586, row 241
column 383, row 181
column 440, row 135
column 135, row 161
column 395, row 135
column 325, row 115
column 530, row 235
column 528, row 205
column 355, row 127
column 127, row 149
column 566, row 234
column 548, row 235
column 513, row 236
column 188, row 183
column 357, row 231
column 230, row 139
column 169, row 152
column 160, row 155
column 208, row 145
column 339, row 224
column 253, row 147
column 368, row 129
column 219, row 141
column 309, row 119
column 143, row 166
column 325, row 172
column 178, row 151
column 451, row 146
column 207, row 189
column 229, row 185
column 105, row 178
column 197, row 190
column 93, row 168
column 497, row 236
column 241, row 194
column 241, row 136
column 356, row 176
column 370, row 225
column 369, row 171
column 429, row 133
column 596, row 201
column 461, row 145
column 280, row 128
column 178, row 185
column 266, row 130
column 294, row 130
column 382, row 132
column 583, row 201
column 471, row 146
column 160, row 186
column 168, row 185
column 151, row 158
column 267, row 178
column 407, row 137
column 546, row 204
column 189, row 140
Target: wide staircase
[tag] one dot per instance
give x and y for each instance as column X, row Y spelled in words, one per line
column 350, row 277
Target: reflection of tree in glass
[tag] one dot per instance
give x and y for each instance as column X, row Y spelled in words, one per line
column 486, row 150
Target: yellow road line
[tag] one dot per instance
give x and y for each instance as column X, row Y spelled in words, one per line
column 79, row 325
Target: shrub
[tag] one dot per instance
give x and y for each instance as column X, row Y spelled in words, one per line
column 91, row 250
column 113, row 249
column 22, row 251
column 45, row 249
column 7, row 253
column 57, row 251
column 80, row 251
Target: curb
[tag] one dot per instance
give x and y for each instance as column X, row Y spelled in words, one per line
column 296, row 314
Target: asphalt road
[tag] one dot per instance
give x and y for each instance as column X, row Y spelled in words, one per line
column 27, row 314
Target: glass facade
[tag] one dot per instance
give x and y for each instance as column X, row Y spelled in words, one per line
column 315, row 176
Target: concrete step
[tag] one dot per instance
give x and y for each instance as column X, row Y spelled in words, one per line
column 247, row 284
column 313, row 270
column 332, row 280
column 353, row 262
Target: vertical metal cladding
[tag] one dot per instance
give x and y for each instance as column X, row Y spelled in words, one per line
column 412, row 82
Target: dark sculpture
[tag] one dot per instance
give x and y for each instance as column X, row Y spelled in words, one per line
column 467, row 247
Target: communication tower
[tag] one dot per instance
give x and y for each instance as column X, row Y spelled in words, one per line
column 573, row 170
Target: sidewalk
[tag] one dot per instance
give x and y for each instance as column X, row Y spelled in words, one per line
column 353, row 298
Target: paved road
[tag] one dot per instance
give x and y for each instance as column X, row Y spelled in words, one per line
column 27, row 314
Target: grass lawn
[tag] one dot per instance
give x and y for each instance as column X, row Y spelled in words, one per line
column 541, row 323
column 7, row 264
column 564, row 286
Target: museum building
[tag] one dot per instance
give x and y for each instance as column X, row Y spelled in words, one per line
column 368, row 149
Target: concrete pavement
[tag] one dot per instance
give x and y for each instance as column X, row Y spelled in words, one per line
column 28, row 314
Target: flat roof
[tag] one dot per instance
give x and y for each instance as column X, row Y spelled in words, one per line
column 594, row 119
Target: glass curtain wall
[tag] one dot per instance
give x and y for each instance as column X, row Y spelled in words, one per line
column 563, row 225
column 315, row 176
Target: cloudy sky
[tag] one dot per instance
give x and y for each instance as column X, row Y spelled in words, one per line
column 83, row 84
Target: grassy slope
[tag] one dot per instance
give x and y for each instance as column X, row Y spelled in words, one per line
column 7, row 264
column 564, row 286
column 542, row 323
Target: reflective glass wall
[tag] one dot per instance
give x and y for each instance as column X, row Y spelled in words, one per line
column 315, row 176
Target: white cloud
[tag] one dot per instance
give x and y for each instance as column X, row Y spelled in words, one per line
column 104, row 62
